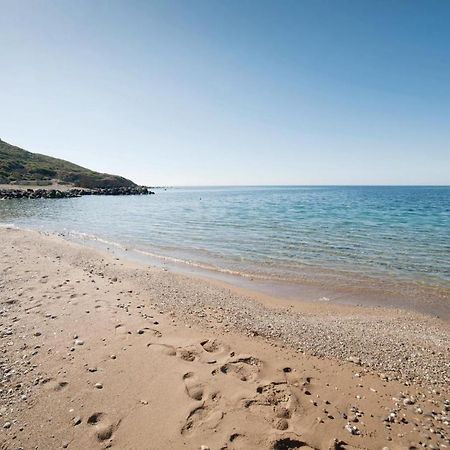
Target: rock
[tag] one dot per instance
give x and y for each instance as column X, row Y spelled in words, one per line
column 7, row 425
column 77, row 420
column 354, row 359
column 351, row 429
column 79, row 342
column 98, row 385
column 71, row 193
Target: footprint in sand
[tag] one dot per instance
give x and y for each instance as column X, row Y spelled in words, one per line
column 194, row 389
column 54, row 385
column 103, row 427
column 296, row 382
column 275, row 402
column 294, row 379
column 153, row 332
column 245, row 368
column 187, row 353
column 212, row 346
column 202, row 417
column 240, row 441
column 165, row 349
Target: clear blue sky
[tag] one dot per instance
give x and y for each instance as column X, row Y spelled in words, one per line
column 232, row 92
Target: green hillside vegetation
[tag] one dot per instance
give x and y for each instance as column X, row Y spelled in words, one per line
column 20, row 166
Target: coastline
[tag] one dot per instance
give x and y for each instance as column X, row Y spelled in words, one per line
column 388, row 250
column 281, row 290
column 202, row 363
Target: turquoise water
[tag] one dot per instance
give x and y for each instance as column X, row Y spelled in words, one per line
column 353, row 239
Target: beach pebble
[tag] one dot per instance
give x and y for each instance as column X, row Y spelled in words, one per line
column 351, row 429
column 99, row 385
column 7, row 425
column 79, row 342
column 354, row 359
column 77, row 420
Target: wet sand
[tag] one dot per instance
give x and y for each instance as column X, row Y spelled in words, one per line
column 431, row 301
column 99, row 352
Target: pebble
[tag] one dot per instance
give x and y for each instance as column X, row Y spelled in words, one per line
column 409, row 401
column 99, row 385
column 77, row 420
column 7, row 425
column 79, row 342
column 351, row 429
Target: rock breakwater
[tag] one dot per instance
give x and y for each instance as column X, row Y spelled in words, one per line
column 70, row 193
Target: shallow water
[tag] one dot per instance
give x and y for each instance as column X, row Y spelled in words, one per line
column 375, row 241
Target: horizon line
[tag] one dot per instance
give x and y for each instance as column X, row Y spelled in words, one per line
column 297, row 185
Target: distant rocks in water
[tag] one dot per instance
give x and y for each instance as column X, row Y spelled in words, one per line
column 74, row 192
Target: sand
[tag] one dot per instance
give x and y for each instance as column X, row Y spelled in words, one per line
column 100, row 352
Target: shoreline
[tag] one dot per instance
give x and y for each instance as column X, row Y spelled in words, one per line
column 283, row 290
column 198, row 363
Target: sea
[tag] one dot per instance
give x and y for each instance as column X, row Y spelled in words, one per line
column 379, row 245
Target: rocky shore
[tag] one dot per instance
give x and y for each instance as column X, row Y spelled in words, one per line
column 72, row 192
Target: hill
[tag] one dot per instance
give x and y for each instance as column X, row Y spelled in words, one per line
column 18, row 166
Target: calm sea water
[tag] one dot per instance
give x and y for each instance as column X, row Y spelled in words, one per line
column 394, row 240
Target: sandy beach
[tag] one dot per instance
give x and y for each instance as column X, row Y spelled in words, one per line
column 101, row 352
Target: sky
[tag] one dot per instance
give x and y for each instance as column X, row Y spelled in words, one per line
column 232, row 92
